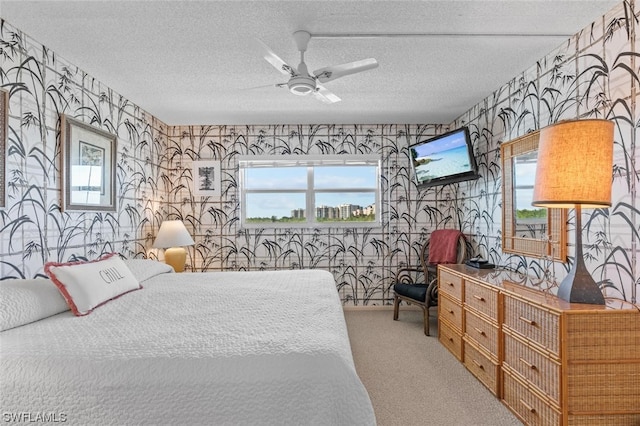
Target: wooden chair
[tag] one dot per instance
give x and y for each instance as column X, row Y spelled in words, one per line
column 422, row 293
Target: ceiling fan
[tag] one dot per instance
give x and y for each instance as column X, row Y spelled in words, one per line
column 301, row 82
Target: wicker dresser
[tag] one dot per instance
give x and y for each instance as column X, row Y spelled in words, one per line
column 551, row 362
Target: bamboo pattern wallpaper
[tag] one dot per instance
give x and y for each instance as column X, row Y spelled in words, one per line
column 33, row 230
column 363, row 261
column 594, row 74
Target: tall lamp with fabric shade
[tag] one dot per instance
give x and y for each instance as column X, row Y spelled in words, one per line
column 574, row 170
column 172, row 237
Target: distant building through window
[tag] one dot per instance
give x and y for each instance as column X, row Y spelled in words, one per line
column 297, row 213
column 278, row 191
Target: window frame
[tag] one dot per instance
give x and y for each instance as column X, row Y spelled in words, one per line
column 310, row 162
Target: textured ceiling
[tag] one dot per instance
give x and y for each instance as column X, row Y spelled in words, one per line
column 195, row 62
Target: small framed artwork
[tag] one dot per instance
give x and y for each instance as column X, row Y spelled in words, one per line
column 89, row 166
column 4, row 117
column 206, row 178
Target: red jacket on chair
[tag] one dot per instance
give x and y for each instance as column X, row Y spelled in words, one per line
column 443, row 246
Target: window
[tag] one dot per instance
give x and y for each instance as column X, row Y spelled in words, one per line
column 317, row 191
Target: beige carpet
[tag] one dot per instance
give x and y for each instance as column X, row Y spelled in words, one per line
column 412, row 379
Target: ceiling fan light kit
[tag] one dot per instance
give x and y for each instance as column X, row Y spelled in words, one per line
column 302, row 83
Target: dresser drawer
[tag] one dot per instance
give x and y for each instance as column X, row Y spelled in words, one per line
column 610, row 387
column 482, row 367
column 533, row 323
column 528, row 406
column 536, row 368
column 604, row 419
column 451, row 311
column 482, row 298
column 451, row 339
column 449, row 284
column 482, row 332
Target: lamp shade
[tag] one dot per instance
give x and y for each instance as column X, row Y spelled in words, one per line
column 173, row 233
column 575, row 161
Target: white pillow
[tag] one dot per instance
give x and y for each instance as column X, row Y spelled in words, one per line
column 25, row 301
column 143, row 269
column 87, row 285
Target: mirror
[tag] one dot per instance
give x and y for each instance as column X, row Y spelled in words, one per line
column 524, row 227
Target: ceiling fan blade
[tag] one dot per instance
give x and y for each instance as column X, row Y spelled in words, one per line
column 323, row 94
column 264, row 86
column 275, row 60
column 331, row 73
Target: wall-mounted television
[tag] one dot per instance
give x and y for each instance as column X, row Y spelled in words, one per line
column 443, row 159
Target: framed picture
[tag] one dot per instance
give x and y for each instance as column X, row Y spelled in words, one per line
column 206, row 178
column 4, row 116
column 89, row 167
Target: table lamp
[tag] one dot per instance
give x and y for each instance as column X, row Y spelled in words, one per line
column 172, row 236
column 574, row 170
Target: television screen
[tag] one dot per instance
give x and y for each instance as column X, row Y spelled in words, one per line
column 443, row 159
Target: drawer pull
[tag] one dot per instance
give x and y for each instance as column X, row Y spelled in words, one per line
column 528, row 364
column 528, row 321
column 451, row 339
column 450, row 311
column 450, row 284
column 528, row 407
column 480, row 366
column 480, row 332
column 480, row 298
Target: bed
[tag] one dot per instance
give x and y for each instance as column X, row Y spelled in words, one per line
column 219, row 348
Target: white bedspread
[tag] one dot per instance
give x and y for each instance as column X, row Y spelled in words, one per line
column 228, row 348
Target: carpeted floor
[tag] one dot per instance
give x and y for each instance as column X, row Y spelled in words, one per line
column 412, row 379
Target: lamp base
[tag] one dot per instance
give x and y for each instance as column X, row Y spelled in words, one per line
column 580, row 287
column 176, row 257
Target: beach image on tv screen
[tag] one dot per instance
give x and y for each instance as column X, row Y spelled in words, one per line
column 443, row 157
